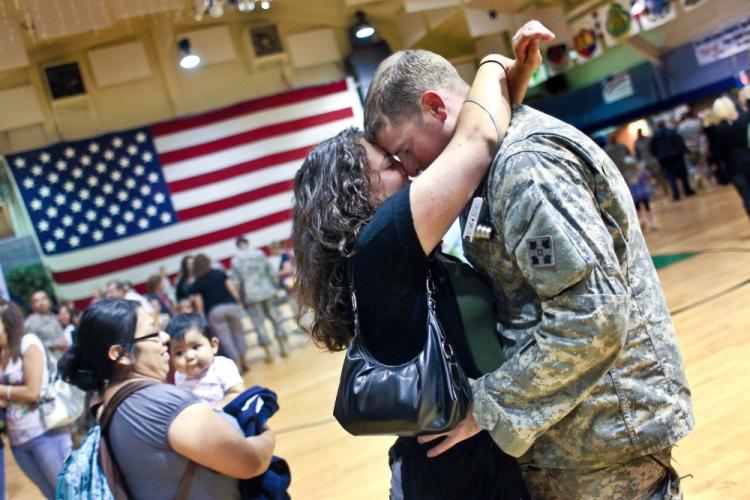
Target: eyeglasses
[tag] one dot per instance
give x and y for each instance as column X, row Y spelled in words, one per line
column 154, row 335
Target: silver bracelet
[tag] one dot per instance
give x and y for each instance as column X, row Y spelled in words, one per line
column 489, row 113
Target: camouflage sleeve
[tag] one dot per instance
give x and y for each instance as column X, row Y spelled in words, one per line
column 554, row 233
column 234, row 275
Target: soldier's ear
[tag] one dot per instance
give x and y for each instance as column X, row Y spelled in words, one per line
column 433, row 106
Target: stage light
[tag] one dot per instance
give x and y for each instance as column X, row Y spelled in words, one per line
column 188, row 60
column 362, row 28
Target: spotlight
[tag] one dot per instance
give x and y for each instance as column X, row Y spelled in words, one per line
column 246, row 5
column 188, row 59
column 362, row 28
column 265, row 5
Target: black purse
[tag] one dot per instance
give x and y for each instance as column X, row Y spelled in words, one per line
column 427, row 395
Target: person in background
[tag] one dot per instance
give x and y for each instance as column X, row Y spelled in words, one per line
column 669, row 148
column 731, row 134
column 217, row 298
column 184, row 279
column 157, row 432
column 67, row 316
column 257, row 281
column 168, row 289
column 192, row 352
column 158, row 299
column 39, row 452
column 124, row 290
column 691, row 130
column 44, row 324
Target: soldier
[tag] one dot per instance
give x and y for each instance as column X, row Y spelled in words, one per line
column 43, row 323
column 593, row 394
column 257, row 283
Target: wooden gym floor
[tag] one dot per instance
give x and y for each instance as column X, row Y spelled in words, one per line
column 709, row 295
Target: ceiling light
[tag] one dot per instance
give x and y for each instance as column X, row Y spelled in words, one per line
column 362, row 28
column 265, row 5
column 188, row 60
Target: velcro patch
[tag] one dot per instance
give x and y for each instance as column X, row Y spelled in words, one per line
column 541, row 251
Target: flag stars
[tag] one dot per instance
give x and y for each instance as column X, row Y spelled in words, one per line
column 136, row 204
column 159, row 198
column 60, row 199
column 106, row 222
column 85, row 160
column 61, row 165
column 36, row 170
column 67, row 221
column 53, row 178
column 77, row 173
column 83, row 228
column 69, row 186
column 151, row 210
column 145, row 190
column 101, row 168
column 50, row 246
column 139, row 170
column 69, row 152
column 165, row 217
column 109, row 154
column 107, row 188
column 51, row 212
column 132, row 150
column 58, row 234
column 45, row 157
column 19, row 162
column 99, row 201
column 74, row 241
column 128, row 216
column 84, row 194
column 114, row 209
column 28, row 183
column 142, row 223
column 76, row 206
column 97, row 235
column 130, row 183
column 120, row 229
column 140, row 137
column 153, row 178
column 147, row 157
column 117, row 142
column 36, row 204
column 93, row 148
column 90, row 215
column 44, row 191
column 122, row 196
column 115, row 175
column 92, row 181
column 43, row 226
column 124, row 162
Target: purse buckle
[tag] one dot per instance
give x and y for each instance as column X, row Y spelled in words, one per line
column 447, row 349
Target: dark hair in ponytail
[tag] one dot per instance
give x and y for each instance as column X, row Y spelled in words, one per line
column 103, row 324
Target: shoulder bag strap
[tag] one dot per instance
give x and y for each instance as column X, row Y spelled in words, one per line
column 115, row 479
column 355, row 311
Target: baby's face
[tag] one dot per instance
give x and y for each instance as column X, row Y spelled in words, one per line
column 194, row 354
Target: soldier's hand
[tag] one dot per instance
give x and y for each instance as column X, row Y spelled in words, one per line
column 467, row 428
column 526, row 45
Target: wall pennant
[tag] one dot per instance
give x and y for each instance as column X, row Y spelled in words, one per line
column 656, row 12
column 618, row 22
column 587, row 36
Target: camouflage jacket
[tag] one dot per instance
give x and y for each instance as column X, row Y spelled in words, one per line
column 253, row 276
column 594, row 374
column 46, row 327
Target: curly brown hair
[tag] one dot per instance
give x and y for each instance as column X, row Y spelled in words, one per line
column 331, row 206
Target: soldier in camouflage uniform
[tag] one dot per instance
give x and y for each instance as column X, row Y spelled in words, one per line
column 593, row 393
column 256, row 280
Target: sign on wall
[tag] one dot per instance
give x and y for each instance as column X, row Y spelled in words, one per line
column 617, row 87
column 723, row 43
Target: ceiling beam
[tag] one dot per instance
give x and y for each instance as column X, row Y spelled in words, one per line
column 645, row 48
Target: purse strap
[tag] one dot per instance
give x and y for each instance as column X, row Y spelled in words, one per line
column 115, row 478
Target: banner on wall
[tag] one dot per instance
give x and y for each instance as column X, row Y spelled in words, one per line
column 657, row 12
column 723, row 43
column 587, row 36
column 689, row 5
column 617, row 22
column 617, row 87
column 558, row 58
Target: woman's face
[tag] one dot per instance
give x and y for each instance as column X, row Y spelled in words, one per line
column 190, row 266
column 152, row 358
column 63, row 316
column 387, row 176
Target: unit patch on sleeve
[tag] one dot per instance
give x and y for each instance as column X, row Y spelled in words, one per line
column 541, row 251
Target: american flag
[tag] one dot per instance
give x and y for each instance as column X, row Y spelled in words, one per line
column 122, row 205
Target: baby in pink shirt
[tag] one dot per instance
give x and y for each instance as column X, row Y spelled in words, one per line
column 192, row 349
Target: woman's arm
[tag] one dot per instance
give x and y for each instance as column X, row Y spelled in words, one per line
column 33, row 368
column 233, row 290
column 222, row 449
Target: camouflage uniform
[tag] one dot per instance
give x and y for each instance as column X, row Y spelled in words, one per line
column 48, row 329
column 256, row 282
column 594, row 377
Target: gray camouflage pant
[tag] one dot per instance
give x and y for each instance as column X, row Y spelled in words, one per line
column 650, row 477
column 259, row 311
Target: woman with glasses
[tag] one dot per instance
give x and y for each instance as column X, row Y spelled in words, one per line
column 160, row 429
column 39, row 452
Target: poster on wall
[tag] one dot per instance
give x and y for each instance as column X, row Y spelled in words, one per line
column 558, row 58
column 587, row 37
column 617, row 87
column 723, row 43
column 689, row 5
column 654, row 13
column 617, row 22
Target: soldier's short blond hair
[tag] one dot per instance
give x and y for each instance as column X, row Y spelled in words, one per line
column 724, row 109
column 398, row 85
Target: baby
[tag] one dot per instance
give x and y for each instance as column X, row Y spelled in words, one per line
column 192, row 348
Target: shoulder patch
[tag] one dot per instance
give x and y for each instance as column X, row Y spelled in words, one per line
column 541, row 251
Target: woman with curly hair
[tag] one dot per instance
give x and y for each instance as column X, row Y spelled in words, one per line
column 356, row 209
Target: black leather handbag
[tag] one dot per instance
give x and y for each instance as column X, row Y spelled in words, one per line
column 427, row 395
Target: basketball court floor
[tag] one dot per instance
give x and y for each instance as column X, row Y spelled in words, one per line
column 702, row 250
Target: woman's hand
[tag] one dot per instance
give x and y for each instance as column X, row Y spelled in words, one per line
column 526, row 43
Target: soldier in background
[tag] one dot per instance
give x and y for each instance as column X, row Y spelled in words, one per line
column 257, row 283
column 593, row 394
